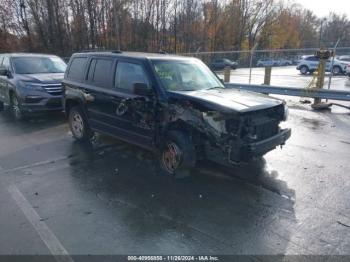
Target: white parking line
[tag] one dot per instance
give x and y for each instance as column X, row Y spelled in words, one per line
column 47, row 236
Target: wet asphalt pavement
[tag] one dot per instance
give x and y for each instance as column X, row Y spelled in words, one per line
column 109, row 198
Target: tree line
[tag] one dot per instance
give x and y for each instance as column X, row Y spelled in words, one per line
column 175, row 26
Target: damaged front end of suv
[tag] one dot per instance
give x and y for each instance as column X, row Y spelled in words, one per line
column 228, row 126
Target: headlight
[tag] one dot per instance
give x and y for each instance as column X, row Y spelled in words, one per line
column 33, row 86
column 286, row 113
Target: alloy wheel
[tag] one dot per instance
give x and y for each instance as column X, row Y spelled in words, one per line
column 171, row 157
column 77, row 124
column 16, row 108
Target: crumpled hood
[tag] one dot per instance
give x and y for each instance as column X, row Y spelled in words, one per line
column 51, row 78
column 228, row 99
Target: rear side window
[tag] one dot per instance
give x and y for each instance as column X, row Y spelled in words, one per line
column 100, row 72
column 77, row 69
column 128, row 74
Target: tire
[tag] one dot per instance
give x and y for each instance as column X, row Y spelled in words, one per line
column 16, row 107
column 336, row 70
column 304, row 70
column 177, row 155
column 79, row 125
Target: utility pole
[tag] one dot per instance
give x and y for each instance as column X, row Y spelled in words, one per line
column 331, row 75
column 251, row 62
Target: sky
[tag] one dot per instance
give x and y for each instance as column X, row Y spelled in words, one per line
column 323, row 7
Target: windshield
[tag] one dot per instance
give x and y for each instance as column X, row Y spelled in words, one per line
column 38, row 65
column 185, row 75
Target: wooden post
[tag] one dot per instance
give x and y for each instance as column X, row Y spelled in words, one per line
column 227, row 74
column 267, row 78
column 320, row 78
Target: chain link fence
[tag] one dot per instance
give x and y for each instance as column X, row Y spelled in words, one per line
column 250, row 66
column 280, row 57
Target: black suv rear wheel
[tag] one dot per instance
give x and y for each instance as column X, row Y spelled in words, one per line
column 177, row 154
column 78, row 125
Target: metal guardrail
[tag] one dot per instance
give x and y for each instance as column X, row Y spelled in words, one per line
column 292, row 91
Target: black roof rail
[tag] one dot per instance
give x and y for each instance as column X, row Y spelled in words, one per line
column 101, row 51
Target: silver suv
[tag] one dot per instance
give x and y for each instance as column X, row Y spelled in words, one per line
column 309, row 64
column 31, row 83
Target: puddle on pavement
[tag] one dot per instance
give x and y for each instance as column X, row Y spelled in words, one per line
column 312, row 123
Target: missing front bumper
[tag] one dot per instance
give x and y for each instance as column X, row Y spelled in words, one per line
column 252, row 150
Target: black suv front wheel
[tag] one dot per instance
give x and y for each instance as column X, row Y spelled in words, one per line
column 79, row 125
column 177, row 154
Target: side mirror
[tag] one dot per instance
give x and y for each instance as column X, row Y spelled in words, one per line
column 4, row 71
column 141, row 89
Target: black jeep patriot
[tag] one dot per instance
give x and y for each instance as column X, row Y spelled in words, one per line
column 172, row 105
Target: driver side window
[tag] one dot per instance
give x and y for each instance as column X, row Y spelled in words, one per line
column 127, row 74
column 6, row 63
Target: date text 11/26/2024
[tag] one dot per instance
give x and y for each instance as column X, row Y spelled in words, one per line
column 173, row 258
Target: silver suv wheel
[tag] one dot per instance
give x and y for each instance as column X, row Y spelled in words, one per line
column 16, row 108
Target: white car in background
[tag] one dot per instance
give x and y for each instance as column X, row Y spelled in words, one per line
column 345, row 60
column 284, row 62
column 309, row 64
column 265, row 62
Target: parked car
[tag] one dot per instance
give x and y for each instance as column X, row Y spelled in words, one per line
column 284, row 62
column 266, row 62
column 174, row 106
column 296, row 60
column 348, row 70
column 221, row 63
column 310, row 63
column 31, row 83
column 344, row 58
column 345, row 61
